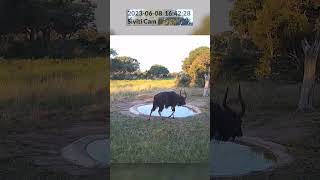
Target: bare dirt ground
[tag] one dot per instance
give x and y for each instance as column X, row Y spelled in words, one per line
column 123, row 105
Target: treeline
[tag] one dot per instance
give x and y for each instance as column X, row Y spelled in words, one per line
column 49, row 28
column 267, row 40
column 127, row 68
column 194, row 67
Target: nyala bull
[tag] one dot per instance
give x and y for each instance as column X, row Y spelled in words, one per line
column 225, row 122
column 168, row 99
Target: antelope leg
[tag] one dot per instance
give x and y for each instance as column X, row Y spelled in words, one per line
column 160, row 114
column 173, row 110
column 150, row 115
column 172, row 114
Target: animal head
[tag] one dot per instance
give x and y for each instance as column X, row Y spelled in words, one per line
column 236, row 117
column 182, row 99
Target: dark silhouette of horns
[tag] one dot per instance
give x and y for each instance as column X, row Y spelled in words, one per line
column 225, row 100
column 243, row 106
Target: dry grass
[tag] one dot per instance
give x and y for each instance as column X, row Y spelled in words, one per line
column 125, row 88
column 31, row 88
column 22, row 79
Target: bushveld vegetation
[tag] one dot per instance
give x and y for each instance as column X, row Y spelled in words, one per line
column 127, row 68
column 193, row 69
column 56, row 29
column 30, row 88
column 267, row 40
column 275, row 40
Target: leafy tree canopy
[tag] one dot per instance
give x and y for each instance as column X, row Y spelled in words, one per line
column 192, row 56
column 158, row 71
column 124, row 64
column 197, row 64
column 275, row 26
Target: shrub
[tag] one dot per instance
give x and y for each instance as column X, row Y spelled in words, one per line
column 183, row 80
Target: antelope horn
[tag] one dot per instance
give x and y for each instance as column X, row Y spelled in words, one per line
column 225, row 101
column 243, row 106
column 180, row 92
column 185, row 94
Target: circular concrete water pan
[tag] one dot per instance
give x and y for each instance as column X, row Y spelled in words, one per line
column 180, row 111
column 98, row 150
column 90, row 151
column 249, row 156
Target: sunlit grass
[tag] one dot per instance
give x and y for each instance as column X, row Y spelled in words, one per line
column 124, row 88
column 31, row 88
column 22, row 79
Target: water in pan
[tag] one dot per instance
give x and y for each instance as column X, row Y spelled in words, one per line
column 181, row 111
column 231, row 159
column 99, row 150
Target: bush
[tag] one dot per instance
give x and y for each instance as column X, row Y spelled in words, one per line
column 158, row 71
column 197, row 82
column 238, row 68
column 54, row 49
column 183, row 80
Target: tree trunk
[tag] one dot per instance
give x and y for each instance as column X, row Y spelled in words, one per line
column 307, row 88
column 206, row 85
column 308, row 84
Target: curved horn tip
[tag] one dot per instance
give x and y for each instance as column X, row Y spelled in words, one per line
column 243, row 106
column 224, row 103
column 226, row 94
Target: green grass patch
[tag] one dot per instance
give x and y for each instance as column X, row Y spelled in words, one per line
column 136, row 140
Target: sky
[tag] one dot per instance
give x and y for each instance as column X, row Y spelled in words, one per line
column 165, row 50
